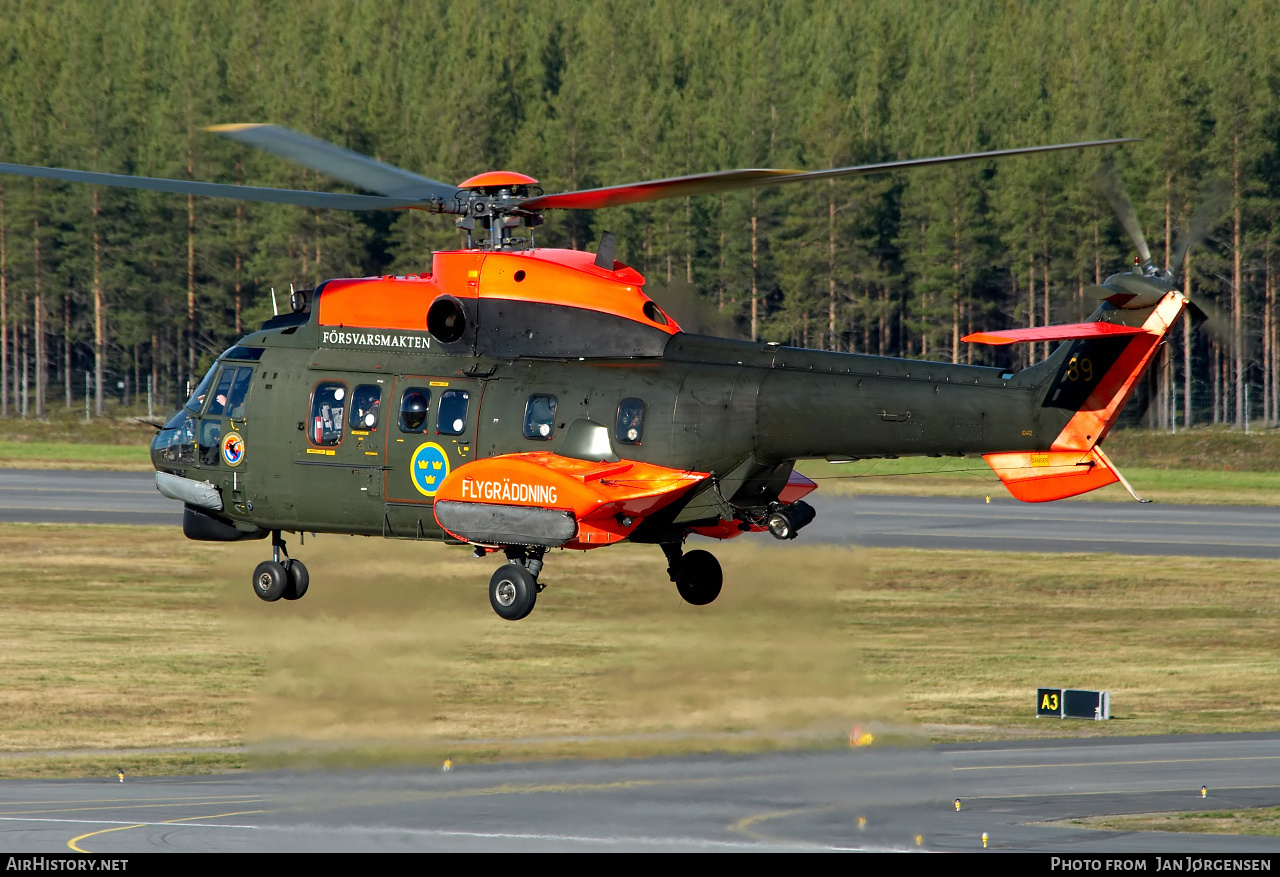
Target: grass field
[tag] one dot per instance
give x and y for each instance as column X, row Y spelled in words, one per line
column 1255, row 821
column 135, row 639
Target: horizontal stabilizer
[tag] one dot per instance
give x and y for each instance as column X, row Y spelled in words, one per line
column 1042, row 476
column 1064, row 332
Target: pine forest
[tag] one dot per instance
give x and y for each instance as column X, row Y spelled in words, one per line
column 107, row 292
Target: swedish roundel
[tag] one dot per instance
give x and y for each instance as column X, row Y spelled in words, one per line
column 429, row 466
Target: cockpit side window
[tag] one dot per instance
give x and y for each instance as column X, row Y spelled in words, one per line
column 218, row 403
column 328, row 403
column 539, row 417
column 366, row 407
column 451, row 418
column 630, row 429
column 414, row 405
column 239, row 391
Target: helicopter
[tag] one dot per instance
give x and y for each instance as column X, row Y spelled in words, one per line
column 517, row 398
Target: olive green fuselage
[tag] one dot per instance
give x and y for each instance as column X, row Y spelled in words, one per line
column 739, row 410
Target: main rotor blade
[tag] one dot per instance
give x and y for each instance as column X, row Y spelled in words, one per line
column 750, row 178
column 335, row 200
column 1213, row 200
column 1109, row 182
column 343, row 164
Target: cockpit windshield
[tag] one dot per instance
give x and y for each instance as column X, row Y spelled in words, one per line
column 197, row 396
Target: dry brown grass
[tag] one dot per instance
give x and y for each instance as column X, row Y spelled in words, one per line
column 122, row 638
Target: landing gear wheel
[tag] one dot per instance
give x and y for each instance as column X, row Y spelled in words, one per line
column 270, row 580
column 299, row 580
column 512, row 591
column 698, row 577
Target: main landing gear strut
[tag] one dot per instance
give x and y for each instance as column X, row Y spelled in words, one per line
column 697, row 574
column 282, row 576
column 514, row 587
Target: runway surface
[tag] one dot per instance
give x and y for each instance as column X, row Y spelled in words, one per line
column 780, row 801
column 1004, row 524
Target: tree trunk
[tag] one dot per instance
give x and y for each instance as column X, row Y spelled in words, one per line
column 831, row 265
column 38, row 330
column 1031, row 304
column 1186, row 347
column 1237, row 335
column 99, row 315
column 66, row 347
column 755, row 302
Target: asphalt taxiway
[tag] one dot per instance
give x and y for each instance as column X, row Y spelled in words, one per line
column 1003, row 524
column 870, row 798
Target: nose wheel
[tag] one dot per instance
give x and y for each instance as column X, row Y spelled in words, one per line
column 282, row 576
column 514, row 587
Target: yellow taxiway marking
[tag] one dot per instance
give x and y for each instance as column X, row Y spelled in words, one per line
column 1117, row 763
column 743, row 825
column 75, row 840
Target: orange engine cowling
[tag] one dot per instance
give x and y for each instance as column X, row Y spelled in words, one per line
column 541, row 498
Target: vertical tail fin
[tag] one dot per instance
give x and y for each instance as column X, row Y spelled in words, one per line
column 1085, row 386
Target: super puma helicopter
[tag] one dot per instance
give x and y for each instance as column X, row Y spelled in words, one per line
column 519, row 398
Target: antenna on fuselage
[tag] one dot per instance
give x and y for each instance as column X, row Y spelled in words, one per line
column 604, row 253
column 275, row 311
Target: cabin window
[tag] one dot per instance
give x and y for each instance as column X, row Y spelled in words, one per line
column 413, row 409
column 630, row 429
column 539, row 417
column 365, row 407
column 451, row 419
column 328, row 403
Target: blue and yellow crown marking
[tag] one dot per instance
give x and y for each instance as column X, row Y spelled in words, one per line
column 429, row 467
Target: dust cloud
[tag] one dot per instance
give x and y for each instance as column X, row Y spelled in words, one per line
column 394, row 654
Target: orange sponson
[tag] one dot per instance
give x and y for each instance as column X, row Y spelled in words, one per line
column 1093, row 421
column 608, row 500
column 1042, row 476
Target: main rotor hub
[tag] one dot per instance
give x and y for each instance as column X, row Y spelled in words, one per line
column 494, row 199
